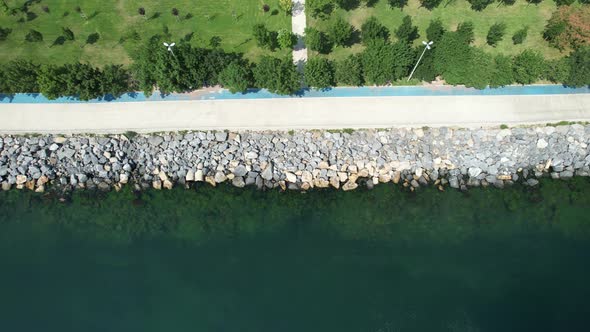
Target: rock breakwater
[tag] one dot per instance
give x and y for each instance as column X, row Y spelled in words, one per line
column 301, row 160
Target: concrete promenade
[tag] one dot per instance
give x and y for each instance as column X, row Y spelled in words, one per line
column 293, row 113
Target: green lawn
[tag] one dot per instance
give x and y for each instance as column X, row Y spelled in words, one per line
column 515, row 17
column 231, row 20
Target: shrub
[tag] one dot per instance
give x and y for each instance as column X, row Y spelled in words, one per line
column 495, row 34
column 277, row 75
column 92, row 38
column 286, row 39
column 435, row 30
column 430, row 4
column 528, row 67
column 479, row 5
column 317, row 41
column 579, row 67
column 34, row 36
column 406, row 32
column 465, row 32
column 4, row 32
column 319, row 8
column 398, row 3
column 236, row 77
column 373, row 30
column 349, row 71
column 520, row 35
column 341, row 32
column 534, row 2
column 319, row 73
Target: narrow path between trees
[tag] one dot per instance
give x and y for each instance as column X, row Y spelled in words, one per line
column 298, row 23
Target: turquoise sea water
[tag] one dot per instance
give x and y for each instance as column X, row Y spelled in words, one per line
column 241, row 260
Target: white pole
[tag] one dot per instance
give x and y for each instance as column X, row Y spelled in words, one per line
column 427, row 46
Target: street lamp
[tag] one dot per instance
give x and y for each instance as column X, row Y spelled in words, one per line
column 169, row 46
column 427, row 47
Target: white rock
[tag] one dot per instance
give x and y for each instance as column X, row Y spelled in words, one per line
column 162, row 175
column 123, row 178
column 190, row 176
column 474, row 171
column 541, row 144
column 53, row 147
column 291, row 177
column 199, row 177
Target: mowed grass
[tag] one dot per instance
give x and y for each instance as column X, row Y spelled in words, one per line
column 231, row 20
column 517, row 16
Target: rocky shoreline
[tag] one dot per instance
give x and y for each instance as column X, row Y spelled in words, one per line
column 300, row 160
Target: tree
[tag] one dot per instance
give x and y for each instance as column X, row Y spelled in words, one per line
column 425, row 70
column 502, row 74
column 21, row 76
column 264, row 37
column 340, row 32
column 495, row 34
column 92, row 38
column 34, row 36
column 564, row 2
column 52, row 81
column 68, row 34
column 383, row 62
column 465, row 32
column 236, row 77
column 520, row 35
column 435, row 30
column 373, row 30
column 579, row 67
column 317, row 40
column 349, row 71
column 277, row 75
column 3, row 84
column 4, row 32
column 141, row 11
column 347, row 4
column 557, row 71
column 450, row 56
column 398, row 3
column 406, row 32
column 286, row 6
column 430, row 4
column 480, row 5
column 319, row 8
column 534, row 2
column 79, row 10
column 114, row 80
column 319, row 73
column 175, row 12
column 83, row 81
column 528, row 67
column 568, row 27
column 286, row 39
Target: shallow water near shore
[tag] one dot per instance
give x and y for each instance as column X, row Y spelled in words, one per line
column 228, row 259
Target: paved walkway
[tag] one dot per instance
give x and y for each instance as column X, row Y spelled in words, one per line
column 293, row 113
column 298, row 23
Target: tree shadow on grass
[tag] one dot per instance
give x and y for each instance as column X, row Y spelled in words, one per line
column 155, row 16
column 58, row 41
column 93, row 15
